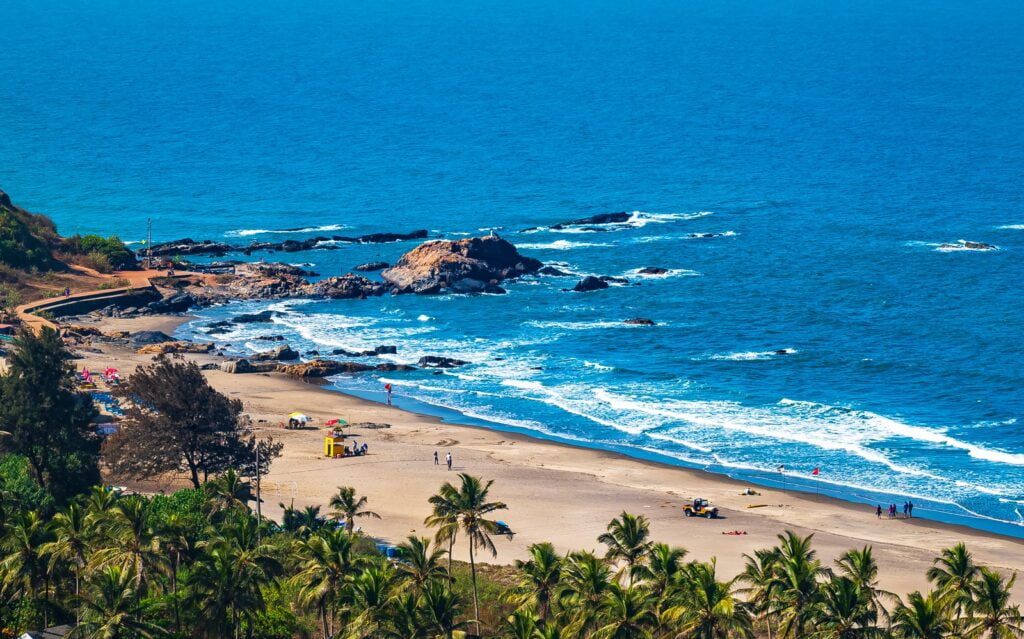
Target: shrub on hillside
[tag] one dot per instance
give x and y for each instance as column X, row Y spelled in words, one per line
column 111, row 248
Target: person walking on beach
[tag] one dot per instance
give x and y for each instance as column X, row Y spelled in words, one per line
column 910, row 509
column 436, row 463
column 906, row 509
column 878, row 511
column 448, row 458
column 387, row 388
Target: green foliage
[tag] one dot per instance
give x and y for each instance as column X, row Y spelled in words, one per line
column 26, row 240
column 108, row 251
column 188, row 507
column 10, row 297
column 50, row 423
column 19, row 486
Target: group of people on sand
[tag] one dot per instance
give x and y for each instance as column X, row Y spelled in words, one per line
column 908, row 510
column 356, row 450
column 447, row 459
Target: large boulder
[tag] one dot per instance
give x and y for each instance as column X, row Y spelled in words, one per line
column 346, row 287
column 282, row 353
column 601, row 218
column 436, row 361
column 254, row 318
column 241, row 366
column 174, row 304
column 323, row 368
column 442, row 264
column 590, row 283
column 372, row 266
column 166, row 348
column 145, row 338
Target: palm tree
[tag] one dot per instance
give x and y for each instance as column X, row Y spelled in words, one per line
column 711, row 609
column 539, row 579
column 445, row 518
column 371, row 595
column 628, row 541
column 795, row 585
column 347, row 507
column 178, row 541
column 627, row 614
column 760, row 573
column 472, row 508
column 228, row 586
column 846, row 611
column 420, row 565
column 586, row 580
column 860, row 566
column 990, row 614
column 663, row 570
column 228, row 492
column 406, row 619
column 923, row 617
column 111, row 609
column 72, row 532
column 953, row 572
column 327, row 559
column 24, row 571
column 302, row 522
column 134, row 546
column 522, row 624
column 441, row 607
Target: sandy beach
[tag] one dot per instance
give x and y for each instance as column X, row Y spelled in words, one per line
column 557, row 493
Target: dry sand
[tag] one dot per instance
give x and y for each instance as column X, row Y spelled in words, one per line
column 557, row 493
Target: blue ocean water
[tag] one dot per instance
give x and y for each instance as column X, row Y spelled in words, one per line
column 834, row 145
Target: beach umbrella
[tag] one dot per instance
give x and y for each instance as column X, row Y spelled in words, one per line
column 299, row 416
column 337, row 422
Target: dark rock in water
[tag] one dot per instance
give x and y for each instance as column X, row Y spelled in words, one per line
column 590, row 283
column 387, row 349
column 551, row 270
column 326, row 368
column 652, row 270
column 270, row 338
column 380, row 350
column 784, row 351
column 446, row 264
column 969, row 246
column 437, row 372
column 254, row 318
column 704, row 236
column 600, row 218
column 614, row 280
column 145, row 338
column 640, row 321
column 372, row 266
column 188, row 246
column 435, row 361
column 470, row 285
column 313, row 353
column 346, row 287
column 382, row 238
column 282, row 353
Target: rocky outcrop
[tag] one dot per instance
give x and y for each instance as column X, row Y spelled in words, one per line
column 145, row 338
column 325, row 368
column 174, row 304
column 254, row 318
column 383, row 238
column 166, row 348
column 435, row 361
column 652, row 270
column 967, row 245
column 269, row 338
column 553, row 271
column 380, row 350
column 345, row 287
column 282, row 353
column 371, row 266
column 600, row 218
column 590, row 283
column 471, row 265
column 188, row 246
column 241, row 366
column 639, row 321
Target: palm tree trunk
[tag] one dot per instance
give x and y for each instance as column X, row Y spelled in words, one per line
column 476, row 603
column 323, row 618
column 174, row 592
column 451, row 549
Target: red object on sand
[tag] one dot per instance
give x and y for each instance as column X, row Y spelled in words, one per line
column 815, row 472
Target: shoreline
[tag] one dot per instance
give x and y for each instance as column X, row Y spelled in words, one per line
column 557, row 491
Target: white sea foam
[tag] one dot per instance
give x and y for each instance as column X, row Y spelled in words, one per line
column 961, row 245
column 598, row 366
column 1012, row 227
column 578, row 326
column 424, row 318
column 309, row 229
column 560, row 245
column 672, row 272
column 752, row 355
column 704, row 235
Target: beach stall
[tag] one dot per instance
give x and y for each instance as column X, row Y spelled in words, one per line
column 334, row 445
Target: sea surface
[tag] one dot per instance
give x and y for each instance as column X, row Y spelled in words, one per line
column 832, row 146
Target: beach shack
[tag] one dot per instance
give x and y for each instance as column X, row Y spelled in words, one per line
column 334, row 444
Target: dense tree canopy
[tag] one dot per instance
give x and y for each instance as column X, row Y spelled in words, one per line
column 49, row 423
column 175, row 421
